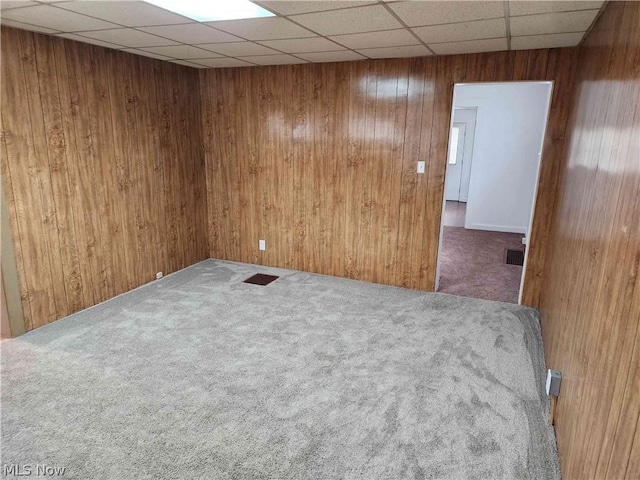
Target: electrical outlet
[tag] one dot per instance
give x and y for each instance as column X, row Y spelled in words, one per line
column 421, row 166
column 554, row 378
column 262, row 245
column 158, row 275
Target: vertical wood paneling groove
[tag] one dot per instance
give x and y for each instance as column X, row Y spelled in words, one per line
column 104, row 175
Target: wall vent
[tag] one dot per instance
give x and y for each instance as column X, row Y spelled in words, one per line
column 261, row 279
column 514, row 257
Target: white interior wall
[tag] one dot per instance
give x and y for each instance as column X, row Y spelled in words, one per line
column 510, row 126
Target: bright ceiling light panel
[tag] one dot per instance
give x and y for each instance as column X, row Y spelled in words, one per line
column 212, row 10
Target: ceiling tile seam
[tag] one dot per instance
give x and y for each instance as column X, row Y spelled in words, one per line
column 367, row 4
column 547, row 34
column 219, row 56
column 312, row 31
column 56, row 31
column 24, row 6
column 209, row 66
column 297, row 55
column 116, row 46
column 388, row 8
column 140, row 54
column 557, row 13
column 507, row 22
column 374, row 31
column 289, row 54
column 456, row 23
column 466, row 41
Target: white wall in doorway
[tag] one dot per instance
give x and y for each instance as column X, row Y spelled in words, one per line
column 510, row 124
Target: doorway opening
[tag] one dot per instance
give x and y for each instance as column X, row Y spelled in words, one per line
column 491, row 180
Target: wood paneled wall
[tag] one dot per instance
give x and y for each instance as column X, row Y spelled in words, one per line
column 102, row 170
column 590, row 305
column 320, row 161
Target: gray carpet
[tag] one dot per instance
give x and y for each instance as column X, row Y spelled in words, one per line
column 311, row 377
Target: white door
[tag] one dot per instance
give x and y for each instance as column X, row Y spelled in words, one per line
column 456, row 187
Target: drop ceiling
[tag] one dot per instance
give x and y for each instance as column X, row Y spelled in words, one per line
column 310, row 31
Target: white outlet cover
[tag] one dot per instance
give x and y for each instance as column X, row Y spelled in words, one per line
column 421, row 166
column 262, row 245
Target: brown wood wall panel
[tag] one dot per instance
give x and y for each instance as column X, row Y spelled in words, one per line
column 319, row 160
column 590, row 304
column 102, row 170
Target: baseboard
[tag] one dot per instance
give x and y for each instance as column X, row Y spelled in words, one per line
column 497, row 228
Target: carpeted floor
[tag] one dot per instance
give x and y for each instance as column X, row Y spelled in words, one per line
column 472, row 264
column 201, row 376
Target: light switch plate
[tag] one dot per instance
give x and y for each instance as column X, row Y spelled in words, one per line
column 262, row 245
column 421, row 166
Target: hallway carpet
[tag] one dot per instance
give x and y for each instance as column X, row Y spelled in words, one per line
column 202, row 376
column 472, row 264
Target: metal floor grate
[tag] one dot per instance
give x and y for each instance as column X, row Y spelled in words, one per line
column 514, row 257
column 261, row 279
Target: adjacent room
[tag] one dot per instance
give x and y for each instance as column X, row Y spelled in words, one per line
column 491, row 180
column 320, row 239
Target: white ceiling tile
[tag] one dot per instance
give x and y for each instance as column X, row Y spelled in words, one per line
column 56, row 19
column 128, row 37
column 7, row 4
column 417, row 14
column 552, row 23
column 235, row 49
column 187, row 64
column 341, row 56
column 387, row 38
column 191, row 33
column 303, row 45
column 145, row 54
column 531, row 7
column 223, row 62
column 456, row 32
column 396, row 52
column 272, row 28
column 182, row 52
column 126, row 13
column 289, row 7
column 556, row 40
column 352, row 20
column 26, row 26
column 472, row 46
column 92, row 41
column 274, row 60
